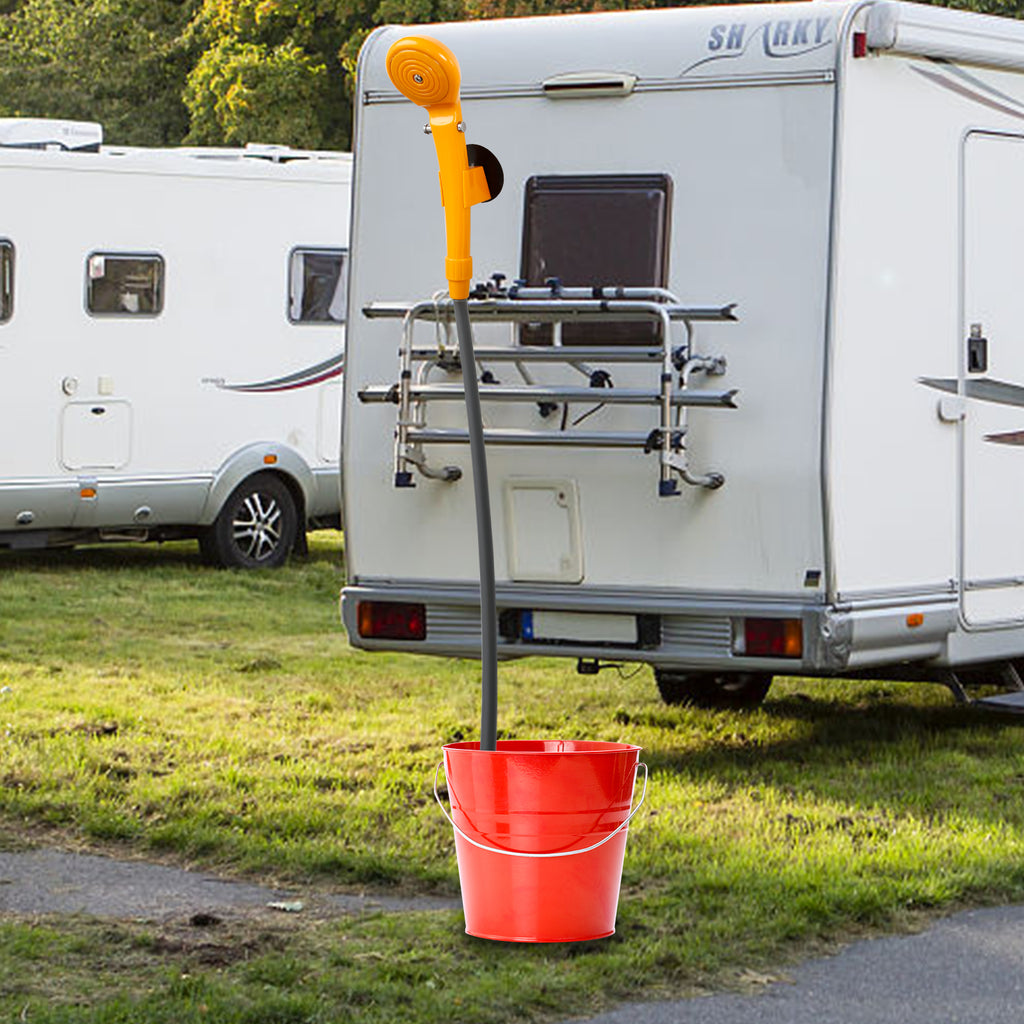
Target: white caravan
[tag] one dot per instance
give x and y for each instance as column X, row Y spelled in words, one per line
column 794, row 442
column 171, row 338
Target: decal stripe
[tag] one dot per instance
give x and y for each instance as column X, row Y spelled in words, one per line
column 953, row 69
column 269, row 388
column 982, row 388
column 1011, row 437
column 968, row 93
column 299, row 379
column 939, row 383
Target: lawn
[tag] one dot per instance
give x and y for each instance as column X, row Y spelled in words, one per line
column 152, row 706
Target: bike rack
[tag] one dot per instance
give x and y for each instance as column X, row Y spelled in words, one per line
column 553, row 304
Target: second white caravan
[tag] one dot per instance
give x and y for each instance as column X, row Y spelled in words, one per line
column 171, row 342
column 756, row 407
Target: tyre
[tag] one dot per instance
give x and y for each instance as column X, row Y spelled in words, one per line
column 713, row 689
column 256, row 528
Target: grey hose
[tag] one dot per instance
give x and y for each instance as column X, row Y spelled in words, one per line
column 485, row 543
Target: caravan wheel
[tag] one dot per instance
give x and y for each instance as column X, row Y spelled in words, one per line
column 713, row 690
column 256, row 528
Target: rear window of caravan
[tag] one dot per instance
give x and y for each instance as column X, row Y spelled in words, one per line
column 6, row 280
column 602, row 229
column 124, row 284
column 317, row 280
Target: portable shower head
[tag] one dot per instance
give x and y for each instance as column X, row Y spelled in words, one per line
column 424, row 71
column 427, row 72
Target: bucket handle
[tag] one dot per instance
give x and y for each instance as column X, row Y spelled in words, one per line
column 558, row 853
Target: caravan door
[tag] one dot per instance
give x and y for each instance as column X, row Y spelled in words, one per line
column 992, row 380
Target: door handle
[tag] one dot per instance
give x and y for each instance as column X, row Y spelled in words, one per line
column 977, row 350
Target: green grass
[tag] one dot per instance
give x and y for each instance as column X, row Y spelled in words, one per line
column 154, row 706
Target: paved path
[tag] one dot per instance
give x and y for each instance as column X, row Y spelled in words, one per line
column 965, row 969
column 53, row 882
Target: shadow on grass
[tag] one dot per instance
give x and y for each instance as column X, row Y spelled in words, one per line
column 876, row 751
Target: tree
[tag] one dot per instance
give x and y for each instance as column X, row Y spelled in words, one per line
column 242, row 92
column 283, row 70
column 119, row 62
column 1007, row 8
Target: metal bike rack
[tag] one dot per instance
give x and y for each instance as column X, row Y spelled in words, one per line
column 673, row 361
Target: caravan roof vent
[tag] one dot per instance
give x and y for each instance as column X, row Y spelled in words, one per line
column 285, row 154
column 267, row 150
column 46, row 133
column 578, row 84
column 274, row 152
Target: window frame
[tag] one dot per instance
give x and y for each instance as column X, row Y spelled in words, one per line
column 7, row 257
column 605, row 185
column 126, row 314
column 316, row 250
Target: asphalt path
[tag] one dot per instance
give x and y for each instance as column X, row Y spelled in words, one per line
column 964, row 969
column 57, row 882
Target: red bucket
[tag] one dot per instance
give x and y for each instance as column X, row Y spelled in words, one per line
column 540, row 835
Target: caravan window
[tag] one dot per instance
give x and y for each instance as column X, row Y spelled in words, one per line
column 317, row 286
column 603, row 229
column 123, row 285
column 6, row 280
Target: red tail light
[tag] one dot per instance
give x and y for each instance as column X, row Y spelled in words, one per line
column 773, row 638
column 391, row 620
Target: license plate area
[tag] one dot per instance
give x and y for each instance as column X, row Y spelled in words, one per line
column 581, row 629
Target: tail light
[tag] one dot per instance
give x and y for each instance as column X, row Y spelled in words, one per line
column 391, row 620
column 773, row 638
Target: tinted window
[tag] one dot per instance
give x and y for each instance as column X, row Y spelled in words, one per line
column 124, row 285
column 317, row 280
column 609, row 229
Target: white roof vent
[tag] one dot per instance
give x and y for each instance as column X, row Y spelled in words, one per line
column 47, row 133
column 273, row 151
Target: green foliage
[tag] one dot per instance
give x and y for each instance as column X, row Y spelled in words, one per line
column 268, row 72
column 1006, row 8
column 119, row 62
column 283, row 70
column 240, row 92
column 529, row 8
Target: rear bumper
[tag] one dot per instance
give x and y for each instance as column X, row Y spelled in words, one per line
column 675, row 629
